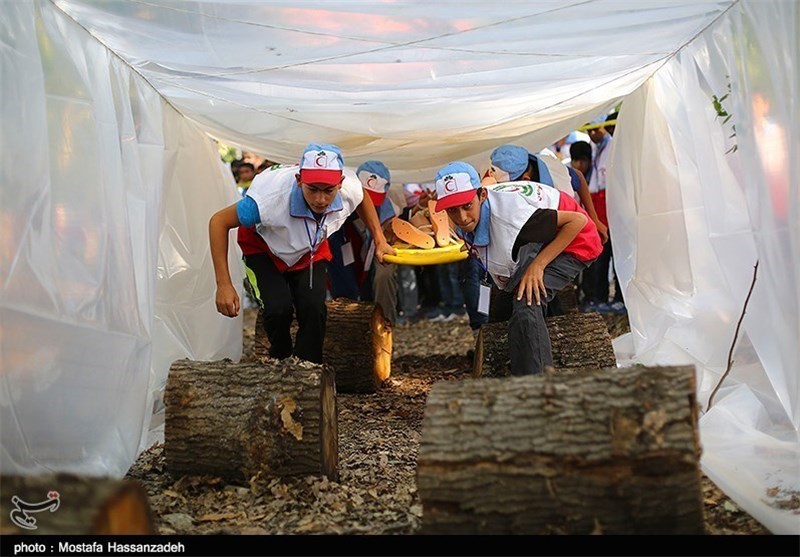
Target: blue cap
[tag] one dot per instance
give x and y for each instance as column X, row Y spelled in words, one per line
column 456, row 184
column 375, row 178
column 512, row 159
column 377, row 168
column 321, row 164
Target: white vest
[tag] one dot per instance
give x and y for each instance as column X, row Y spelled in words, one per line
column 288, row 236
column 512, row 204
column 597, row 181
column 559, row 173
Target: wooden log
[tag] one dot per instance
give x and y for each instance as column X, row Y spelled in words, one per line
column 358, row 345
column 614, row 452
column 72, row 504
column 568, row 298
column 274, row 418
column 260, row 340
column 579, row 341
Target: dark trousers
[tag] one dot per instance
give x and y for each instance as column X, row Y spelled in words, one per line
column 528, row 339
column 594, row 283
column 282, row 295
column 344, row 282
column 471, row 272
column 449, row 287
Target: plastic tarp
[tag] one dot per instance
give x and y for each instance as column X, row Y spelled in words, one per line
column 108, row 183
column 695, row 203
column 105, row 272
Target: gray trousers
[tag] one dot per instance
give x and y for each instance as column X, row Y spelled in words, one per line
column 528, row 339
column 384, row 289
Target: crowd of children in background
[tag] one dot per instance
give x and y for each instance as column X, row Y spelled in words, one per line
column 451, row 291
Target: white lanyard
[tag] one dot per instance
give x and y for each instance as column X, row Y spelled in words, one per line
column 313, row 245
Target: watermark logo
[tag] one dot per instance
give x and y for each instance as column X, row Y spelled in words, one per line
column 21, row 514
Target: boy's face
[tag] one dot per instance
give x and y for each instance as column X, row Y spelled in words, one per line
column 318, row 196
column 597, row 134
column 466, row 216
column 246, row 174
column 581, row 164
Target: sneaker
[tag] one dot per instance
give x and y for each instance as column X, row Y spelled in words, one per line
column 446, row 318
column 589, row 307
column 618, row 308
column 434, row 315
column 603, row 308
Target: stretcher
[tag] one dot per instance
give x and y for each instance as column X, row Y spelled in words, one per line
column 410, row 255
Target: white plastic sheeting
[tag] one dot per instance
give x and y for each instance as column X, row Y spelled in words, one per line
column 420, row 83
column 107, row 187
column 691, row 216
column 104, row 266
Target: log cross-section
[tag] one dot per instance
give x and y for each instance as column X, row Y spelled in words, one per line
column 358, row 345
column 614, row 452
column 276, row 417
column 579, row 341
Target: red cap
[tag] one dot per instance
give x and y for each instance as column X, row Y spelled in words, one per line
column 455, row 199
column 377, row 198
column 318, row 176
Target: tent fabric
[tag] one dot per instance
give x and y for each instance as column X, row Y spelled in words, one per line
column 105, row 272
column 690, row 217
column 109, row 179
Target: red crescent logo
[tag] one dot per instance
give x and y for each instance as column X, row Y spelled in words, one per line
column 321, row 159
column 371, row 181
column 450, row 184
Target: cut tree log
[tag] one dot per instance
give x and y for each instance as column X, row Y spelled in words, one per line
column 614, row 452
column 568, row 297
column 274, row 418
column 579, row 341
column 358, row 345
column 261, row 342
column 71, row 504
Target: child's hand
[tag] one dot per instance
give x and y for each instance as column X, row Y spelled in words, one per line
column 383, row 248
column 531, row 286
column 602, row 229
column 227, row 300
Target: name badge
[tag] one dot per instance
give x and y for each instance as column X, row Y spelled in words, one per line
column 483, row 299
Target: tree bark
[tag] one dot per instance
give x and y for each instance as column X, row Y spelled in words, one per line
column 71, row 504
column 276, row 418
column 569, row 299
column 580, row 343
column 615, row 452
column 260, row 340
column 358, row 345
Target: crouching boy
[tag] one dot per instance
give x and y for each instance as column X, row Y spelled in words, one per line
column 530, row 238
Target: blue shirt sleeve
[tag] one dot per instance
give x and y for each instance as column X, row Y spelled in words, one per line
column 576, row 181
column 247, row 211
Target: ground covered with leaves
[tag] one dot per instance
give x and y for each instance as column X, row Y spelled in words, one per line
column 379, row 435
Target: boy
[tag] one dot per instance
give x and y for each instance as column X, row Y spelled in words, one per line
column 293, row 212
column 511, row 163
column 530, row 238
column 351, row 253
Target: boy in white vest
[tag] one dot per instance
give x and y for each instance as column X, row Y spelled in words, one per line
column 294, row 210
column 530, row 238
